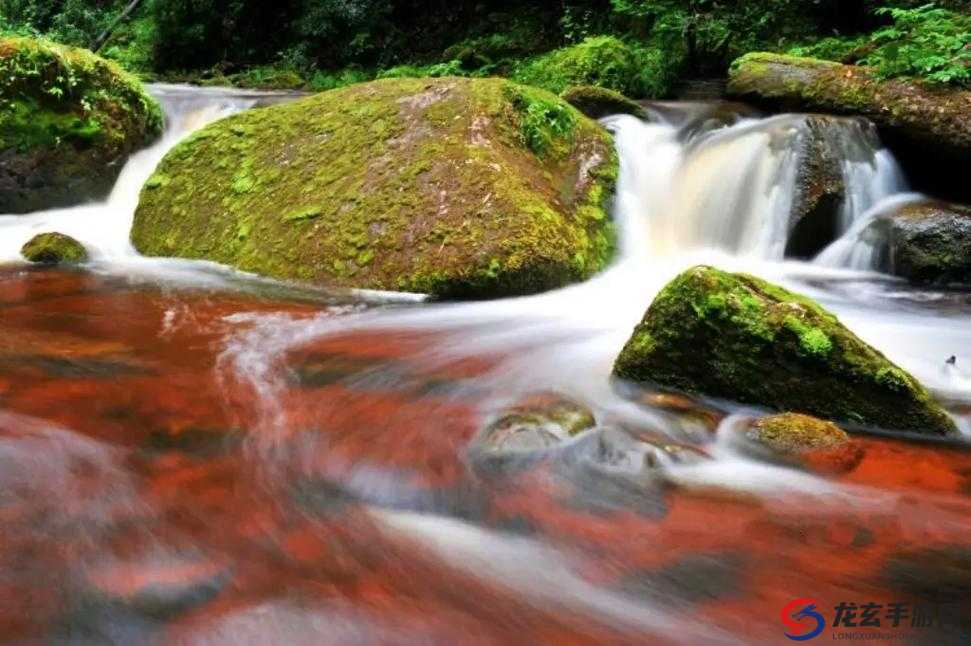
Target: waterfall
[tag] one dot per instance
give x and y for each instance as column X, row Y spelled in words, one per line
column 734, row 188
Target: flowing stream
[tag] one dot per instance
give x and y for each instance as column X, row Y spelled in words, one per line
column 192, row 454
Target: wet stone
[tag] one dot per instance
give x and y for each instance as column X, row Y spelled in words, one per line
column 537, row 422
column 695, row 419
column 804, row 441
column 607, row 476
column 635, row 453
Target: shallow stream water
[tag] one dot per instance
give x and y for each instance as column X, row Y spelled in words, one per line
column 193, row 455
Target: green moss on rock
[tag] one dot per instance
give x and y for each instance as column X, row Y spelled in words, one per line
column 598, row 102
column 454, row 187
column 792, row 433
column 68, row 118
column 738, row 337
column 54, row 248
column 806, row 441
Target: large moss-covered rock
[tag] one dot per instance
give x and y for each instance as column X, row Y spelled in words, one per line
column 68, row 120
column 54, row 248
column 915, row 119
column 930, row 242
column 738, row 337
column 455, row 187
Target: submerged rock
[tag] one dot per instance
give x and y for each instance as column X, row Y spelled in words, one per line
column 454, row 187
column 598, row 102
column 537, row 422
column 930, row 242
column 917, row 119
column 53, row 249
column 806, row 441
column 68, row 121
column 738, row 337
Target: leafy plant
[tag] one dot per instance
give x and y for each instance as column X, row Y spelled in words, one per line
column 832, row 48
column 544, row 121
column 450, row 68
column 926, row 42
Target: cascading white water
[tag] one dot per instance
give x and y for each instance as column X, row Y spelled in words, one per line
column 688, row 193
column 567, row 340
column 749, row 173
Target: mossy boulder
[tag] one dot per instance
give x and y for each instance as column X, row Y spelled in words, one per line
column 735, row 336
column 598, row 102
column 805, row 441
column 915, row 119
column 930, row 242
column 53, row 249
column 68, row 121
column 462, row 188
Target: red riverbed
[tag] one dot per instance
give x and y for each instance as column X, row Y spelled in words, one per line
column 145, row 497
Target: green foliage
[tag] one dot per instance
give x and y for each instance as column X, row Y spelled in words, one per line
column 41, row 78
column 322, row 80
column 637, row 47
column 450, row 68
column 832, row 48
column 73, row 22
column 924, row 42
column 132, row 44
column 603, row 61
column 708, row 34
column 268, row 77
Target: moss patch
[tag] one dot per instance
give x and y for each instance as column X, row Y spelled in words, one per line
column 455, row 187
column 806, row 441
column 792, row 433
column 738, row 337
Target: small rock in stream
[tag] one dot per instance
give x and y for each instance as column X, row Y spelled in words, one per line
column 805, row 441
column 539, row 421
column 54, row 249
